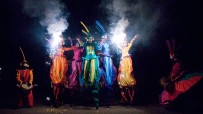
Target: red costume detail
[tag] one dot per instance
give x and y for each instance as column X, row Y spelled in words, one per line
column 178, row 83
column 58, row 73
column 25, row 76
column 173, row 90
column 177, row 70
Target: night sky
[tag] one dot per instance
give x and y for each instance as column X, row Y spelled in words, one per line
column 178, row 19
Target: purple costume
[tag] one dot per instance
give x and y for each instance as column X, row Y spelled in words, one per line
column 76, row 68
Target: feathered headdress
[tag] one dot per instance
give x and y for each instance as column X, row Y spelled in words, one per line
column 86, row 31
column 24, row 62
column 100, row 28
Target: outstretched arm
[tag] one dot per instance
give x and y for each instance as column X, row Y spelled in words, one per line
column 48, row 40
column 131, row 42
column 68, row 48
column 71, row 43
column 80, row 42
column 82, row 49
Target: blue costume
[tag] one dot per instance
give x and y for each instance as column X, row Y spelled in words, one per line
column 108, row 70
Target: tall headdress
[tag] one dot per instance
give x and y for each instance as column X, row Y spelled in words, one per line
column 86, row 31
column 24, row 62
column 171, row 46
column 100, row 28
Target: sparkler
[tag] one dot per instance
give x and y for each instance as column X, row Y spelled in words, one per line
column 48, row 98
column 56, row 39
column 119, row 32
column 47, row 63
column 54, row 43
column 118, row 38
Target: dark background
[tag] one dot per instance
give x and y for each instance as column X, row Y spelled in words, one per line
column 179, row 19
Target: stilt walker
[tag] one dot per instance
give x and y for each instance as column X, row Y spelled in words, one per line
column 90, row 67
column 108, row 70
column 58, row 72
column 126, row 79
column 74, row 84
column 24, row 79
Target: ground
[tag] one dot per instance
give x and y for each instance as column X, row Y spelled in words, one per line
column 43, row 109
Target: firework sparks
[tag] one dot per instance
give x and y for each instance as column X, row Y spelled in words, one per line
column 56, row 39
column 118, row 38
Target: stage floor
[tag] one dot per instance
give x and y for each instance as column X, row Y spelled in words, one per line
column 118, row 109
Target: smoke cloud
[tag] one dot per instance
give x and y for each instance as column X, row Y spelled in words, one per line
column 132, row 17
column 51, row 14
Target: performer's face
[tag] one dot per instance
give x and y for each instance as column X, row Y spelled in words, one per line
column 90, row 39
column 104, row 36
column 24, row 65
column 172, row 56
column 61, row 43
column 77, row 45
column 104, row 39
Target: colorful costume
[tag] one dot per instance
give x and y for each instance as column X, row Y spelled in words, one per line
column 58, row 73
column 174, row 89
column 59, row 68
column 126, row 80
column 24, row 76
column 74, row 84
column 179, row 82
column 76, row 68
column 108, row 70
column 90, row 67
column 125, row 76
